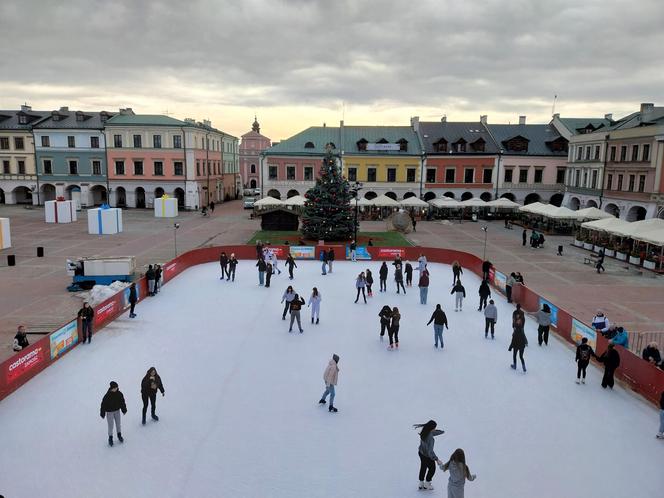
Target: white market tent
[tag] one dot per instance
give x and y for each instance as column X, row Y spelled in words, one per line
column 605, row 225
column 560, row 213
column 384, row 201
column 503, row 203
column 361, row 202
column 635, row 229
column 268, row 201
column 534, row 208
column 592, row 213
column 656, row 237
column 473, row 202
column 445, row 202
column 414, row 202
column 296, row 200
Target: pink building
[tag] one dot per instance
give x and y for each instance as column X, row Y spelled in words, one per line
column 253, row 143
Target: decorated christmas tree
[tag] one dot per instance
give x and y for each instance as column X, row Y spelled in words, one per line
column 327, row 213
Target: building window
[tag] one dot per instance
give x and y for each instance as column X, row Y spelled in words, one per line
column 73, row 167
column 94, row 142
column 468, row 175
column 613, row 153
column 579, row 152
column 5, row 167
column 588, row 153
column 138, row 168
column 117, row 141
column 272, row 172
column 4, row 143
column 19, row 143
column 487, row 174
column 585, row 179
column 371, row 174
column 509, row 175
column 620, row 180
column 198, row 168
column 410, row 175
column 21, row 167
column 596, row 155
column 177, row 142
column 560, row 175
column 623, row 152
column 158, row 168
column 523, row 175
column 431, row 175
column 450, row 175
column 308, row 173
column 642, row 183
column 119, row 168
column 178, row 169
column 646, row 152
column 635, row 152
column 577, row 178
column 46, row 141
column 391, row 175
column 632, row 180
column 138, row 141
column 538, row 175
column 594, row 179
column 48, row 167
column 22, row 119
column 290, row 172
column 609, row 182
column 352, row 174
column 96, row 167
column 156, row 141
column 252, row 169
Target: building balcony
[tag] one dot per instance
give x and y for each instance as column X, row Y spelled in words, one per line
column 25, row 178
column 633, row 196
column 554, row 187
column 486, row 186
column 616, row 165
column 582, row 190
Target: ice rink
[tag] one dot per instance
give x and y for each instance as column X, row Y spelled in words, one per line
column 241, row 417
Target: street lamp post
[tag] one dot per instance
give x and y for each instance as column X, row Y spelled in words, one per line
column 175, row 238
column 356, row 190
column 485, row 229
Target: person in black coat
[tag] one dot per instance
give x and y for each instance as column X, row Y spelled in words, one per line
column 133, row 298
column 385, row 317
column 269, row 271
column 408, row 270
column 583, row 354
column 611, row 360
column 524, row 237
column 382, row 273
column 485, row 293
column 262, row 268
column 259, row 249
column 157, row 278
column 660, row 434
column 330, row 259
column 20, row 339
column 519, row 340
column 150, row 276
column 486, row 268
column 232, row 265
column 369, row 277
column 86, row 314
column 290, row 263
column 651, row 354
column 112, row 404
column 149, row 386
column 223, row 262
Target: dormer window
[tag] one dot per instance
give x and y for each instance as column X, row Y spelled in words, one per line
column 558, row 145
column 382, row 141
column 403, row 144
column 478, row 145
column 459, row 145
column 55, row 116
column 309, row 145
column 22, row 119
column 362, row 144
column 517, row 144
column 440, row 145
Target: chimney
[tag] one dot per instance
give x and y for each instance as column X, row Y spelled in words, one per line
column 66, row 109
column 444, row 119
column 207, row 122
column 647, row 108
column 341, row 123
column 324, row 125
column 522, row 120
column 557, row 115
column 127, row 112
column 191, row 121
column 26, row 108
column 415, row 123
column 483, row 119
column 608, row 117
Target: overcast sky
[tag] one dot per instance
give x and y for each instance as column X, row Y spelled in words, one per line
column 298, row 63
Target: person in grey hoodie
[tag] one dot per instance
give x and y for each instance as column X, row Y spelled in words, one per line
column 288, row 297
column 428, row 457
column 459, row 472
column 459, row 293
column 490, row 319
column 543, row 324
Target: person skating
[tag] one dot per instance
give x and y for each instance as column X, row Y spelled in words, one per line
column 439, row 320
column 112, row 404
column 459, row 472
column 330, row 377
column 330, row 259
column 295, row 307
column 323, row 260
column 408, row 270
column 20, row 339
column 290, row 263
column 519, row 340
column 490, row 319
column 509, row 283
column 385, row 317
column 223, row 263
column 269, row 271
column 397, row 261
column 524, row 237
column 457, row 271
column 314, row 303
column 398, row 278
column 421, row 262
column 583, row 354
column 262, row 268
column 86, row 314
column 543, row 324
column 394, row 328
column 360, row 284
column 382, row 274
column 485, row 293
column 133, row 298
column 232, row 265
column 486, row 270
column 611, row 360
column 150, row 384
column 423, row 285
column 259, row 249
column 289, row 295
column 275, row 262
column 157, row 278
column 518, row 313
column 459, row 293
column 660, row 434
column 353, row 250
column 150, row 276
column 428, row 457
column 370, row 280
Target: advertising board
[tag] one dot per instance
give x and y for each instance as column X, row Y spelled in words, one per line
column 360, row 252
column 303, row 252
column 500, row 281
column 581, row 330
column 63, row 339
column 24, row 362
column 391, row 252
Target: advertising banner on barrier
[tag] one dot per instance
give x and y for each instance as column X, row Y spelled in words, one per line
column 25, row 361
column 169, row 270
column 581, row 330
column 303, row 252
column 391, row 252
column 554, row 311
column 125, row 296
column 360, row 252
column 106, row 311
column 499, row 281
column 63, row 339
column 279, row 252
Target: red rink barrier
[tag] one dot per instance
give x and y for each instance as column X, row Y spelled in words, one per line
column 640, row 375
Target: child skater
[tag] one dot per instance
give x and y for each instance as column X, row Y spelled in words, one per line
column 459, row 472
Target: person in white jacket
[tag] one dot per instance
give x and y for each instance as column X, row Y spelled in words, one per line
column 20, row 339
column 314, row 303
column 600, row 322
column 330, row 376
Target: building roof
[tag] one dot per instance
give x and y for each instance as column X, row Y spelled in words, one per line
column 64, row 118
column 538, row 136
column 577, row 126
column 375, row 134
column 656, row 116
column 253, row 134
column 145, row 120
column 432, row 132
column 11, row 119
column 317, row 136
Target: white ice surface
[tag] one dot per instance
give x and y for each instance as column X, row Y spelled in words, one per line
column 240, row 417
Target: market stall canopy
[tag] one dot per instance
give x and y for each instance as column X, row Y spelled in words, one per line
column 473, row 202
column 414, row 202
column 604, row 225
column 559, row 213
column 637, row 229
column 656, row 237
column 268, row 201
column 296, row 200
column 503, row 203
column 534, row 208
column 445, row 202
column 592, row 213
column 385, row 201
column 362, row 202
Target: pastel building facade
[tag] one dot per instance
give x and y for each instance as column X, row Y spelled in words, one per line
column 251, row 146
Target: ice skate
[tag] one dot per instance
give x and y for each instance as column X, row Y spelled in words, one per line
column 513, row 365
column 301, row 331
column 578, row 381
column 317, row 321
column 420, row 485
column 312, row 319
column 120, row 438
column 143, row 420
column 660, row 435
column 583, row 381
column 332, row 409
column 155, row 418
column 428, row 485
column 110, row 440
column 322, row 402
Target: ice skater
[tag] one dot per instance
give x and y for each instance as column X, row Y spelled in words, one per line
column 232, row 265
column 323, row 260
column 509, row 283
column 660, row 434
column 353, row 251
column 382, row 275
column 20, row 339
column 150, row 276
column 611, row 360
column 259, row 249
column 269, row 271
column 369, row 277
column 486, row 269
column 543, row 324
column 459, row 293
column 394, row 329
column 421, row 262
column 87, row 314
column 428, row 457
column 295, row 307
column 398, row 278
column 133, row 299
column 439, row 320
column 290, row 263
column 490, row 319
column 112, row 404
column 262, row 268
column 485, row 293
column 459, row 472
column 457, row 271
column 330, row 259
column 275, row 262
column 289, row 295
column 519, row 340
column 360, row 284
column 330, row 377
column 385, row 316
column 583, row 354
column 223, row 262
column 157, row 278
column 150, row 384
column 408, row 270
column 423, row 284
column 314, row 303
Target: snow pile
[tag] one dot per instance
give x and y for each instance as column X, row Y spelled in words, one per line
column 100, row 293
